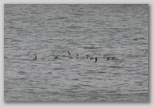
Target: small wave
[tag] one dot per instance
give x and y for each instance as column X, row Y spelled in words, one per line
column 101, row 72
column 49, row 73
column 58, row 68
column 115, row 67
column 141, row 38
column 92, row 47
column 21, row 72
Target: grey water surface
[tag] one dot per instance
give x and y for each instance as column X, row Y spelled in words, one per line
column 49, row 31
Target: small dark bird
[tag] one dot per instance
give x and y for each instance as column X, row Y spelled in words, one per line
column 77, row 55
column 69, row 53
column 56, row 57
column 35, row 57
column 91, row 58
column 107, row 58
column 113, row 58
column 95, row 59
column 87, row 56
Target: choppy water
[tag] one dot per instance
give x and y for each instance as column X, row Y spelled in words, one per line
column 120, row 31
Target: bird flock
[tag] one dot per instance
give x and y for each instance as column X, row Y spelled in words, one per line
column 77, row 56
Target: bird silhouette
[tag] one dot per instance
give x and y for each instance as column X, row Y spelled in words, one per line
column 56, row 57
column 107, row 58
column 95, row 59
column 35, row 58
